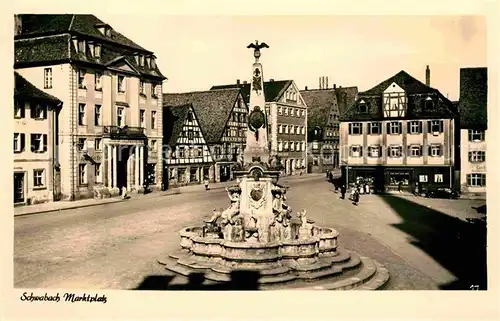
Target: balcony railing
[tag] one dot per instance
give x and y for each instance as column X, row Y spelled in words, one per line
column 127, row 132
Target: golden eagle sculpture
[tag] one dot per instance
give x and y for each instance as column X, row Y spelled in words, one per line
column 256, row 47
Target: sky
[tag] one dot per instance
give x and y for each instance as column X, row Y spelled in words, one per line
column 197, row 52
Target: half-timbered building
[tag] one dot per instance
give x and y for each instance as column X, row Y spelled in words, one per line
column 400, row 134
column 187, row 156
column 222, row 117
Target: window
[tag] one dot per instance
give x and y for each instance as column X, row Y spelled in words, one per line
column 38, row 178
column 280, row 111
column 82, row 144
column 356, row 151
column 435, row 126
column 476, row 135
column 415, row 151
column 120, row 121
column 303, row 130
column 153, row 145
column 38, row 111
column 153, row 119
column 374, row 128
column 98, row 144
column 355, row 129
column 280, row 128
column 303, row 112
column 81, row 46
column 286, row 129
column 422, row 178
column 190, row 134
column 315, row 145
column 303, row 146
column 286, row 111
column 280, row 146
column 190, row 116
column 476, row 180
column 438, row 178
column 97, row 51
column 435, row 150
column 141, row 118
column 285, row 145
column 142, row 90
column 374, row 151
column 315, row 161
column 363, row 108
column 395, row 151
column 18, row 142
column 414, row 127
column 292, row 129
column 97, row 115
column 292, row 146
column 428, row 104
column 477, row 156
column 98, row 81
column 38, row 143
column 97, row 173
column 394, row 128
column 81, row 79
column 82, row 174
column 297, row 146
column 153, row 90
column 18, row 109
column 47, row 78
column 121, row 84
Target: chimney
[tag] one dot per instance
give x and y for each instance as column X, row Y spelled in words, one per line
column 244, row 82
column 237, row 81
column 18, row 25
column 271, row 80
column 427, row 76
column 334, row 86
column 326, row 86
column 306, row 88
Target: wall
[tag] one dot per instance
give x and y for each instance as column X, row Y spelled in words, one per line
column 467, row 167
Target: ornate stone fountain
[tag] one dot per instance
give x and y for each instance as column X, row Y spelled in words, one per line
column 259, row 231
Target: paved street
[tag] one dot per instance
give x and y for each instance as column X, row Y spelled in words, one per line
column 115, row 246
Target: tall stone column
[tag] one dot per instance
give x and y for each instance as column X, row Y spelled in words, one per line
column 114, row 166
column 109, row 160
column 137, row 164
column 129, row 172
column 141, row 165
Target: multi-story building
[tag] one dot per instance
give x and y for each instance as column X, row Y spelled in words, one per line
column 36, row 175
column 188, row 158
column 473, row 129
column 324, row 107
column 401, row 131
column 111, row 89
column 222, row 117
column 287, row 121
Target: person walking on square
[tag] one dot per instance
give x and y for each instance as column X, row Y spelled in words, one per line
column 342, row 191
column 355, row 196
column 206, row 184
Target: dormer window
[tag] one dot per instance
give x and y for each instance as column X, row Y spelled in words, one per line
column 147, row 61
column 141, row 61
column 97, row 51
column 429, row 104
column 91, row 48
column 81, row 46
column 153, row 63
column 363, row 108
column 108, row 32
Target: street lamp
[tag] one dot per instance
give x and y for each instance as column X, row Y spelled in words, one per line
column 346, row 173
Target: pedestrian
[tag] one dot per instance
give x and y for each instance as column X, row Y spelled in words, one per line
column 355, row 197
column 342, row 191
column 400, row 186
column 206, row 184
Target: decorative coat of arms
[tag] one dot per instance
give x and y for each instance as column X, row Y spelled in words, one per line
column 257, row 195
column 256, row 120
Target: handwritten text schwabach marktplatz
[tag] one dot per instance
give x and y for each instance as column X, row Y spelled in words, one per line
column 68, row 297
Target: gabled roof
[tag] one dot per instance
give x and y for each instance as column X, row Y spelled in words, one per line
column 405, row 81
column 174, row 119
column 212, row 108
column 46, row 39
column 25, row 90
column 83, row 24
column 473, row 98
column 320, row 104
column 273, row 90
column 416, row 93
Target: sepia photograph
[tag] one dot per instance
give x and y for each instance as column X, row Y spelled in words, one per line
column 248, row 153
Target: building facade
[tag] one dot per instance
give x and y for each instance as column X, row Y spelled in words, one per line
column 400, row 134
column 187, row 158
column 36, row 169
column 324, row 107
column 473, row 129
column 111, row 89
column 287, row 121
column 222, row 117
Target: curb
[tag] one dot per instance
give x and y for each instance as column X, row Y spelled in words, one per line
column 88, row 205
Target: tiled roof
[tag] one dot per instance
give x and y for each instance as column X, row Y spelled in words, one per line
column 212, row 109
column 320, row 104
column 47, row 39
column 273, row 90
column 416, row 93
column 346, row 96
column 473, row 98
column 173, row 121
column 25, row 90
